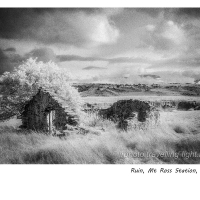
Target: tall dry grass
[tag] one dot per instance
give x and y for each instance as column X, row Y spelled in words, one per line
column 103, row 143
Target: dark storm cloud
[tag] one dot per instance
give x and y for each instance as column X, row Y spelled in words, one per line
column 8, row 62
column 93, row 68
column 181, row 15
column 14, row 20
column 188, row 12
column 64, row 58
column 153, row 12
column 150, row 75
column 9, row 59
column 23, row 23
column 71, row 26
column 171, row 13
column 3, row 57
column 11, row 49
column 33, row 24
column 126, row 60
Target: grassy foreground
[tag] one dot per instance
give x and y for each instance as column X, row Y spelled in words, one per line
column 175, row 140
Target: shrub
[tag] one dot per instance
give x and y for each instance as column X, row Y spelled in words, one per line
column 19, row 86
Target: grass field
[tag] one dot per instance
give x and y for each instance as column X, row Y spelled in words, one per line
column 113, row 99
column 172, row 141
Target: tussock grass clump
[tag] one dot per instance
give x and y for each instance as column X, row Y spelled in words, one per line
column 43, row 156
column 180, row 129
column 183, row 128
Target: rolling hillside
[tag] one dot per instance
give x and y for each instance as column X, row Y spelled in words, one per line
column 174, row 89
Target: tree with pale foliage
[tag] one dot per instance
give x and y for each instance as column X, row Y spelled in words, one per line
column 18, row 86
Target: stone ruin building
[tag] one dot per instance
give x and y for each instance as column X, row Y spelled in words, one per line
column 124, row 110
column 48, row 112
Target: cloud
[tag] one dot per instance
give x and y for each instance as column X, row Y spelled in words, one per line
column 174, row 34
column 178, row 63
column 111, row 11
column 8, row 61
column 152, row 12
column 127, row 60
column 73, row 27
column 192, row 74
column 187, row 12
column 64, row 58
column 193, row 37
column 164, row 36
column 11, row 49
column 94, row 29
column 42, row 54
column 132, row 77
column 150, row 27
column 171, row 13
column 93, row 68
column 150, row 75
column 188, row 60
column 125, row 76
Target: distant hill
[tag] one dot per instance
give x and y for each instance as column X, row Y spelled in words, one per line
column 173, row 89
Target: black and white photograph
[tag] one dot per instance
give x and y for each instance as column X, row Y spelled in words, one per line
column 97, row 85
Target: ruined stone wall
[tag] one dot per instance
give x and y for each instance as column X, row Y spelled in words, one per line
column 187, row 105
column 35, row 113
column 124, row 110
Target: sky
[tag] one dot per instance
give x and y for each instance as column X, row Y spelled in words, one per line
column 113, row 45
